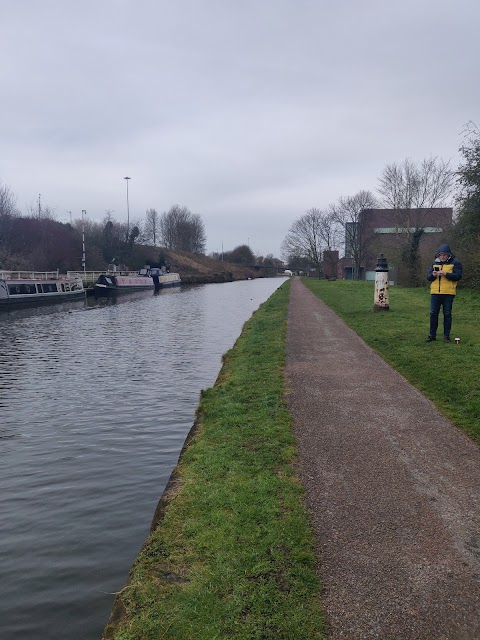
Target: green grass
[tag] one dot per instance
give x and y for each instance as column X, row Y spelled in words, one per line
column 447, row 374
column 234, row 555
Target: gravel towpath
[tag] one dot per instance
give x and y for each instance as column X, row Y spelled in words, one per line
column 393, row 488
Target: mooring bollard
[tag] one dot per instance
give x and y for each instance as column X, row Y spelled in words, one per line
column 381, row 285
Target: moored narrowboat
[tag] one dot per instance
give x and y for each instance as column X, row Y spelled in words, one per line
column 146, row 278
column 19, row 291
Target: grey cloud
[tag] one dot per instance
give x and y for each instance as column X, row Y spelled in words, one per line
column 246, row 112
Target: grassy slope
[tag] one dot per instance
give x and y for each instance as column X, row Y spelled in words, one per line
column 447, row 374
column 191, row 263
column 233, row 556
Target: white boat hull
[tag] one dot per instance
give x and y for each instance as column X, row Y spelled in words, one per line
column 23, row 291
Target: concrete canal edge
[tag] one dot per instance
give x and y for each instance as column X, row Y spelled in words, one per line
column 174, row 482
column 172, row 487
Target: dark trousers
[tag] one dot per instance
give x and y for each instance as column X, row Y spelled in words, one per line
column 438, row 300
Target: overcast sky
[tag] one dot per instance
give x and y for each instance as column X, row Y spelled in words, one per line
column 248, row 112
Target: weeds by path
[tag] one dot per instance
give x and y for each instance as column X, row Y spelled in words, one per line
column 446, row 373
column 233, row 556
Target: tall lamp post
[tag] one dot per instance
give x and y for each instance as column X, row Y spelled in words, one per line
column 84, row 213
column 127, row 178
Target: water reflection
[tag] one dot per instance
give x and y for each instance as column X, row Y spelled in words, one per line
column 11, row 314
column 96, row 399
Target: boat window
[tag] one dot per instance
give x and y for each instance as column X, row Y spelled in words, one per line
column 21, row 289
column 39, row 288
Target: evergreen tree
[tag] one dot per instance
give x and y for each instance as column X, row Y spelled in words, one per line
column 467, row 227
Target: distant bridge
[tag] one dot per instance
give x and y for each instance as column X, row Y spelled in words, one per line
column 272, row 266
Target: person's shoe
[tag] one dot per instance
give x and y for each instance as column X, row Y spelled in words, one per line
column 430, row 339
column 447, row 338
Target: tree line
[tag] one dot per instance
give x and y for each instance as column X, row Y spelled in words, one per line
column 243, row 255
column 412, row 190
column 38, row 241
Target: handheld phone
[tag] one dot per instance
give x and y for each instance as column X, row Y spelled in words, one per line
column 436, row 267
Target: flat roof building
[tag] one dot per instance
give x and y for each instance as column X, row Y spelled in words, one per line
column 397, row 233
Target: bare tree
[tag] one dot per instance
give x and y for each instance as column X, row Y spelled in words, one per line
column 7, row 201
column 151, row 228
column 304, row 239
column 407, row 185
column 8, row 211
column 329, row 230
column 414, row 190
column 182, row 230
column 347, row 214
column 198, row 235
column 171, row 223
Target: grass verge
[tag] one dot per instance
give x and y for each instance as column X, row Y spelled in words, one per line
column 233, row 556
column 446, row 373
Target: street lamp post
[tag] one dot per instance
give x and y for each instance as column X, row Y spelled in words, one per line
column 84, row 213
column 127, row 178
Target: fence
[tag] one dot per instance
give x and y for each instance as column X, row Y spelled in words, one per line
column 90, row 277
column 29, row 275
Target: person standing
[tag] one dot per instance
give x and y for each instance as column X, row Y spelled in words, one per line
column 444, row 273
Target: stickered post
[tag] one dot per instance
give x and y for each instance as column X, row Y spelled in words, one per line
column 381, row 285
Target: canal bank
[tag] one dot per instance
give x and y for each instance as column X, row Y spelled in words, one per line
column 231, row 553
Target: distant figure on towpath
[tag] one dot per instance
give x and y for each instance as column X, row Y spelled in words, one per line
column 444, row 273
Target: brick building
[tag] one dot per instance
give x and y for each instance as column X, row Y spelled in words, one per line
column 387, row 231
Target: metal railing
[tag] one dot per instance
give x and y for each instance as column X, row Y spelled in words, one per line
column 86, row 276
column 30, row 275
column 89, row 275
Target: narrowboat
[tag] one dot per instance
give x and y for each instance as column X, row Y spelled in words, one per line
column 146, row 278
column 20, row 291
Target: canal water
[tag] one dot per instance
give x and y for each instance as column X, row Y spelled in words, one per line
column 96, row 399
